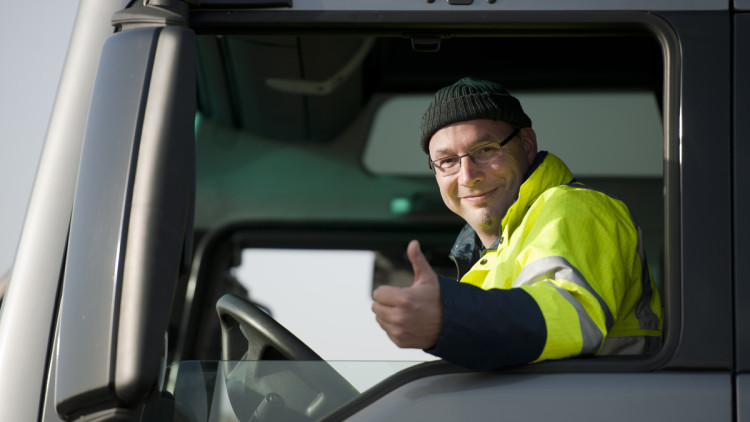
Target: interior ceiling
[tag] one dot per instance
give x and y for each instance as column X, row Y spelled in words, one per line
column 242, row 118
column 519, row 63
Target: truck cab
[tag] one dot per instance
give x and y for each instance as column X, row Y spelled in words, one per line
column 224, row 183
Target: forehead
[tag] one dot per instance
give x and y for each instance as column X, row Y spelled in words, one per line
column 465, row 135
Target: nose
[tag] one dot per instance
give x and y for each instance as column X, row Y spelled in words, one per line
column 470, row 173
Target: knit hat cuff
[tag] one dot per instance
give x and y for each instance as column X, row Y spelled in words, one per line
column 463, row 102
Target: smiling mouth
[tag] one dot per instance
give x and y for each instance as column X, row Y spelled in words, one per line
column 478, row 197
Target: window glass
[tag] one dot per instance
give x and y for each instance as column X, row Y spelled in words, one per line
column 273, row 390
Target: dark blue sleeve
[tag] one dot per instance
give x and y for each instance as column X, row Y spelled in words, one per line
column 488, row 329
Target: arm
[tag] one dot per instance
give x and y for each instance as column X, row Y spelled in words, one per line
column 579, row 257
column 488, row 329
column 576, row 270
column 461, row 323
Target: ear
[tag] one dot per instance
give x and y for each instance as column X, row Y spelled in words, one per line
column 528, row 141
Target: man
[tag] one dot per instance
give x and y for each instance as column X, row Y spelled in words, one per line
column 558, row 268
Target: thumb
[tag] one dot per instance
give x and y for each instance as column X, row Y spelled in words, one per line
column 422, row 270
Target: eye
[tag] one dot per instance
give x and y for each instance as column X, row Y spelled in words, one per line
column 485, row 150
column 447, row 161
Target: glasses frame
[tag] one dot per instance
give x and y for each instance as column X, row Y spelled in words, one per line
column 431, row 163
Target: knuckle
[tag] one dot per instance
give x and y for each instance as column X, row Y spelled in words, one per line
column 398, row 319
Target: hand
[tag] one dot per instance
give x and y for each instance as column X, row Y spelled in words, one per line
column 411, row 316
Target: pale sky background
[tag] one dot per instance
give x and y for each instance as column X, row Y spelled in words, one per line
column 34, row 39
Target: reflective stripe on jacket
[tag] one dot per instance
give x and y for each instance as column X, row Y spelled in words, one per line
column 578, row 254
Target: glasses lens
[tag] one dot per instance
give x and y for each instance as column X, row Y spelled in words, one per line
column 448, row 165
column 486, row 153
column 482, row 154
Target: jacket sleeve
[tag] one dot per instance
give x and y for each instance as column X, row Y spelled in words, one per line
column 488, row 329
column 578, row 261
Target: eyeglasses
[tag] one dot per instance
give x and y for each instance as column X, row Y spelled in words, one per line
column 483, row 154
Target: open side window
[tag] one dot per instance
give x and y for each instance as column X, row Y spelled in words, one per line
column 289, row 157
column 277, row 143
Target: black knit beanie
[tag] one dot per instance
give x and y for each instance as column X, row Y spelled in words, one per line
column 470, row 99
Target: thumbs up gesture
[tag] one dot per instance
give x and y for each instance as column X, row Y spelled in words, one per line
column 411, row 316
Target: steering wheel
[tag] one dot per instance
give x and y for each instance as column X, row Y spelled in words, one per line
column 288, row 380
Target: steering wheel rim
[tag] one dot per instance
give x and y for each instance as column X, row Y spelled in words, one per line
column 236, row 314
column 248, row 333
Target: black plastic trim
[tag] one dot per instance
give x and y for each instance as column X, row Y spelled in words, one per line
column 394, row 23
column 741, row 176
column 103, row 229
column 244, row 4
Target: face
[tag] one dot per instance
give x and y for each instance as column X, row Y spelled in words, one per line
column 482, row 193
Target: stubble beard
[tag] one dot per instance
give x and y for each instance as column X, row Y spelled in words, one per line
column 490, row 223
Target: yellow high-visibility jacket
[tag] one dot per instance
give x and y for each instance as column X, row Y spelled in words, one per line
column 567, row 277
